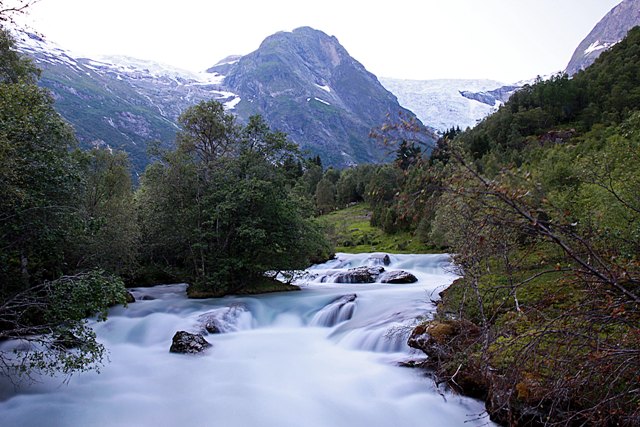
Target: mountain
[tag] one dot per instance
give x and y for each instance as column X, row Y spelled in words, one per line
column 303, row 83
column 306, row 84
column 445, row 103
column 608, row 32
column 119, row 102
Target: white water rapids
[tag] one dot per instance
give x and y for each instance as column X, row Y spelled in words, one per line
column 322, row 357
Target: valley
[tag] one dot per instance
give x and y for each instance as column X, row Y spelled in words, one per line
column 287, row 238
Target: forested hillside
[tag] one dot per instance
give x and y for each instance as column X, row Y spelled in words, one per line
column 541, row 204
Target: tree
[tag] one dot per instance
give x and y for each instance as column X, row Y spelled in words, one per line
column 14, row 68
column 310, row 178
column 110, row 238
column 325, row 196
column 407, row 155
column 40, row 182
column 168, row 205
column 11, row 8
column 347, row 188
column 49, row 327
column 221, row 214
column 209, row 132
column 44, row 296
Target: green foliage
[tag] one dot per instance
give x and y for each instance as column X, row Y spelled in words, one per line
column 110, row 236
column 325, row 196
column 61, row 213
column 14, row 68
column 209, row 132
column 50, row 321
column 39, row 183
column 219, row 211
column 350, row 231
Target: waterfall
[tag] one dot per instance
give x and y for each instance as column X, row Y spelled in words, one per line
column 323, row 356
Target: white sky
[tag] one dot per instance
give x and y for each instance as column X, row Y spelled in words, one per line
column 505, row 40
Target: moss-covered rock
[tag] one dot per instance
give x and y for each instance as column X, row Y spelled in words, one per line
column 258, row 286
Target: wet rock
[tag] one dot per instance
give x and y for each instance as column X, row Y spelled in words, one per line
column 379, row 259
column 443, row 341
column 337, row 311
column 398, row 277
column 221, row 320
column 340, row 301
column 129, row 297
column 212, row 328
column 360, row 275
column 187, row 343
column 147, row 298
column 412, row 363
column 433, row 338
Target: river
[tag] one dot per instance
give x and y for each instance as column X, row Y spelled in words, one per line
column 296, row 359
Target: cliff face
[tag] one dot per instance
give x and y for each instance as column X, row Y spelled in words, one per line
column 609, row 31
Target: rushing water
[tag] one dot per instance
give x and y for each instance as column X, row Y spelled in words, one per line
column 326, row 356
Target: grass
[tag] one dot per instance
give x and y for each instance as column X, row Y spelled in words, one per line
column 351, row 232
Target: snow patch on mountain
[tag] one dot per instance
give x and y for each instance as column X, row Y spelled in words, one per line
column 594, row 46
column 44, row 50
column 324, row 87
column 154, row 69
column 230, row 105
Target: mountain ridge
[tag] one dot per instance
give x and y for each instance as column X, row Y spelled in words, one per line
column 610, row 30
column 303, row 83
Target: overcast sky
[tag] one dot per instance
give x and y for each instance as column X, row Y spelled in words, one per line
column 505, row 40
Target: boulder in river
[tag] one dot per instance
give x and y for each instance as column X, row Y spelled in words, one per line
column 129, row 297
column 379, row 259
column 360, row 275
column 225, row 319
column 185, row 342
column 398, row 277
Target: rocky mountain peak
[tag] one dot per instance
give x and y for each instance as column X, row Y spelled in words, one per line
column 306, row 84
column 608, row 32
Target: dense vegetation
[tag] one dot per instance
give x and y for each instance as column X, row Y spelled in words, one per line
column 51, row 264
column 219, row 211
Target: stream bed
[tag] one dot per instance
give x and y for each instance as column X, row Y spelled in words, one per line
column 326, row 356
